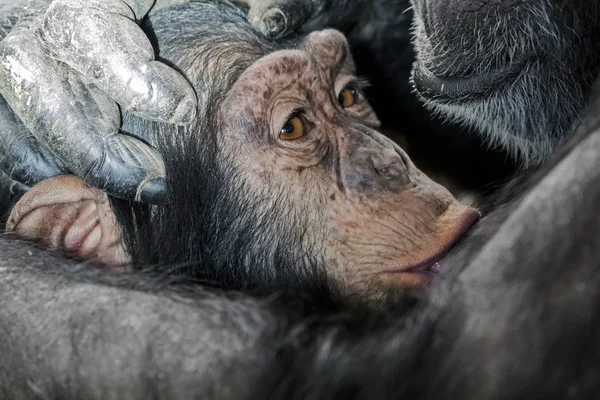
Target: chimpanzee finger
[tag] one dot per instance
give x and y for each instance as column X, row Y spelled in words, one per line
column 21, row 156
column 116, row 169
column 103, row 43
column 78, row 123
column 275, row 18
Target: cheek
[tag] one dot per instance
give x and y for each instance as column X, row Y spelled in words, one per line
column 305, row 196
column 267, row 167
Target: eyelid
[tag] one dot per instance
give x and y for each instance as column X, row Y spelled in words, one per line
column 296, row 113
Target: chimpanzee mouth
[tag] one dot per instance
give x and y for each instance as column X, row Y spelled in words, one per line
column 436, row 264
column 445, row 89
column 433, row 265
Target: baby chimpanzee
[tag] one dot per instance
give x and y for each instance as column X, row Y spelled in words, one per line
column 282, row 180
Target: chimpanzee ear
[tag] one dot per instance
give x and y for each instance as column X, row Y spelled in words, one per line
column 65, row 214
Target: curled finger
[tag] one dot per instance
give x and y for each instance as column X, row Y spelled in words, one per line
column 107, row 47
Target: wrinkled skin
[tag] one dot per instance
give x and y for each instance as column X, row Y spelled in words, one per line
column 63, row 67
column 553, row 45
column 518, row 72
column 344, row 197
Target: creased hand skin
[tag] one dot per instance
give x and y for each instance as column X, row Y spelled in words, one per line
column 64, row 67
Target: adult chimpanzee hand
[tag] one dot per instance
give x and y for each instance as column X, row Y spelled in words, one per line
column 64, row 66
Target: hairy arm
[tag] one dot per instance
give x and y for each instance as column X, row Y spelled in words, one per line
column 88, row 335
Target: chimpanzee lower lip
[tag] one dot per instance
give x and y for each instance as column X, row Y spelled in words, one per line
column 451, row 88
column 436, row 264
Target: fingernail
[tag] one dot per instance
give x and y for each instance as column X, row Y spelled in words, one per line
column 185, row 112
column 154, row 191
column 273, row 23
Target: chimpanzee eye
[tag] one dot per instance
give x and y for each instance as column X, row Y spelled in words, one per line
column 293, row 129
column 347, row 98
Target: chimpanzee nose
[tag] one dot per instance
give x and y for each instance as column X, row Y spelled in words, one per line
column 388, row 164
column 370, row 166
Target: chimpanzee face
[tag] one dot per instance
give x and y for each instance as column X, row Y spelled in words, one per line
column 303, row 183
column 301, row 128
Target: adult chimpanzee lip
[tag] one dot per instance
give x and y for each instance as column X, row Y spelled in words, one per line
column 458, row 88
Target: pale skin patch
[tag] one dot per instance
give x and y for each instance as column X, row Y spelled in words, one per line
column 63, row 213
